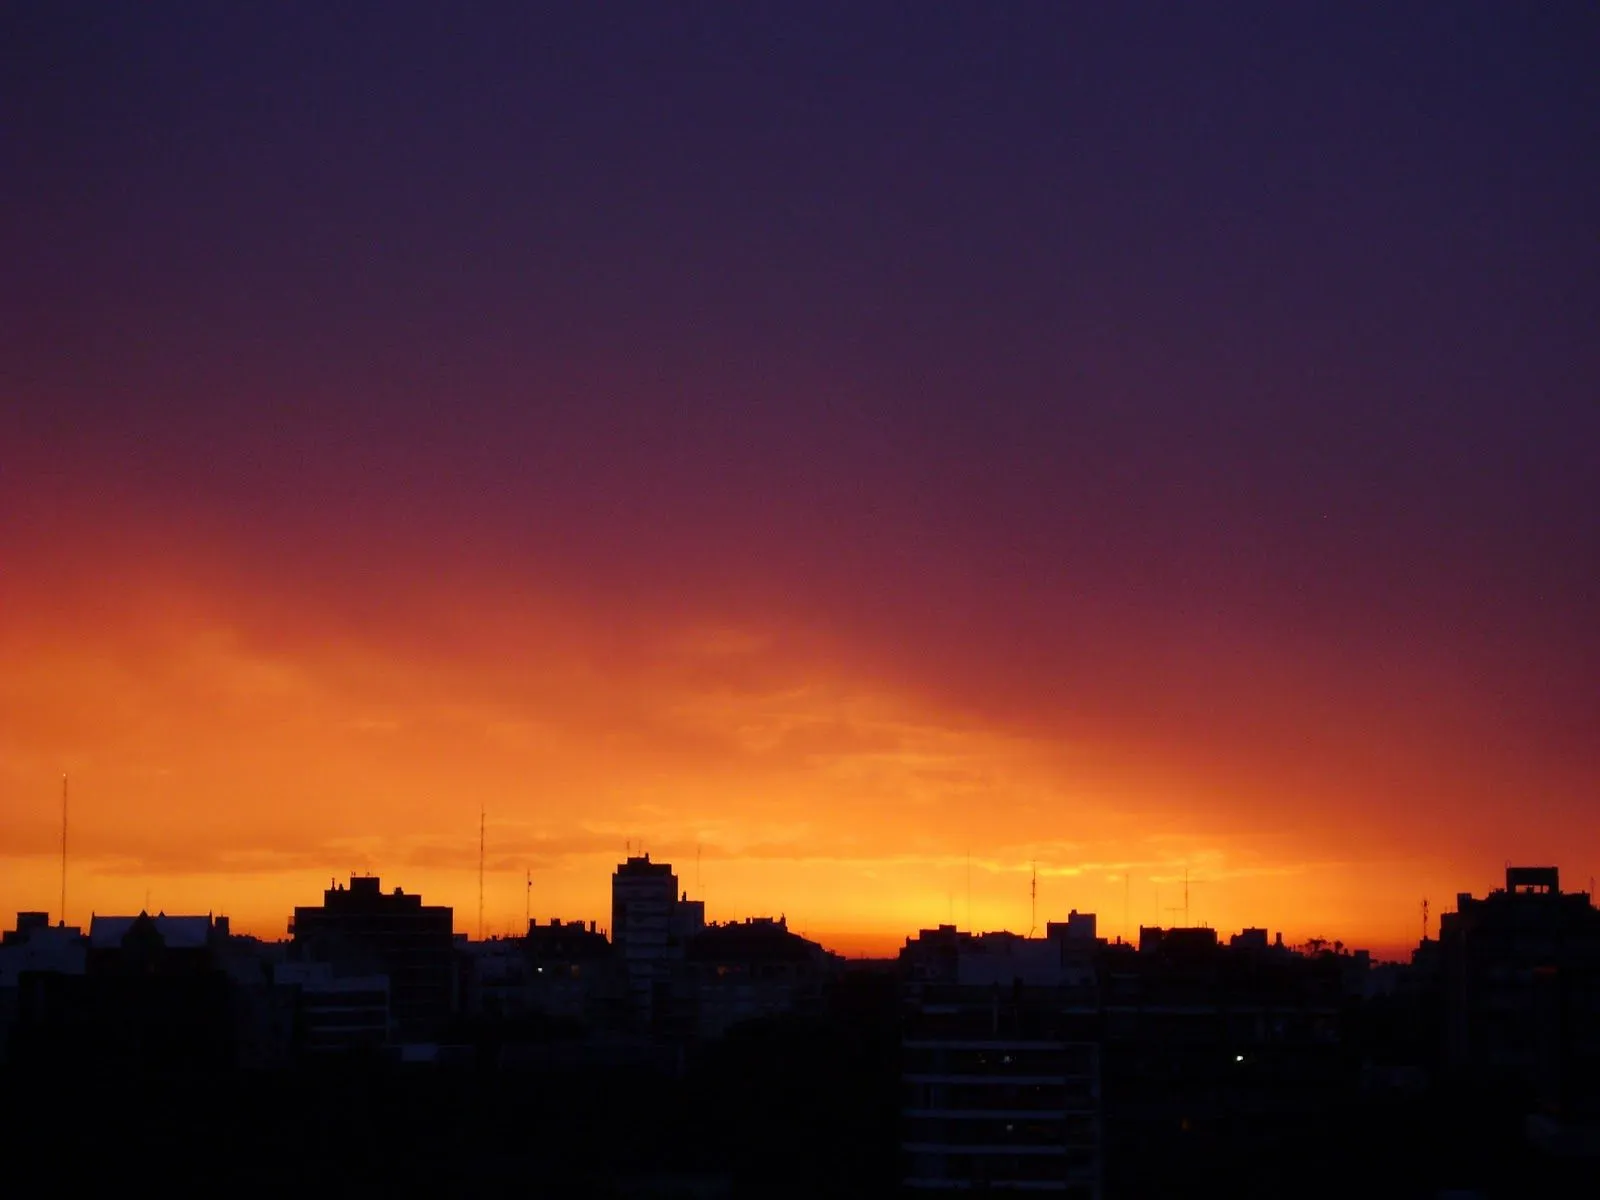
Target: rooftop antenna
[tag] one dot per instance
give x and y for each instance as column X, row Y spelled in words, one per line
column 1424, row 918
column 527, row 897
column 1127, row 903
column 63, row 848
column 482, row 824
column 1033, row 899
column 1186, row 898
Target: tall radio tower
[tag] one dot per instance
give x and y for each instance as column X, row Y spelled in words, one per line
column 1033, row 900
column 63, row 913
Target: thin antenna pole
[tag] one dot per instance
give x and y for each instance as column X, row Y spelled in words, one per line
column 1186, row 897
column 527, row 899
column 482, row 824
column 1033, row 899
column 63, row 849
column 1127, row 905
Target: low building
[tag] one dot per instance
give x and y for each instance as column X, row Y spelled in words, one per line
column 153, row 994
column 576, row 974
column 334, row 1013
column 34, row 947
column 37, row 945
column 744, row 970
column 1213, row 1053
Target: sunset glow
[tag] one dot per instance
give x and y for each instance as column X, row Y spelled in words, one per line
column 801, row 498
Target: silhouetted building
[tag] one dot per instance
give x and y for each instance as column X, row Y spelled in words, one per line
column 1210, row 1053
column 758, row 967
column 1520, row 975
column 158, row 943
column 1078, row 927
column 363, row 930
column 152, row 995
column 650, row 924
column 564, row 970
column 263, row 1011
column 567, row 942
column 336, row 1013
column 34, row 947
column 577, row 974
column 1000, row 1067
column 37, row 945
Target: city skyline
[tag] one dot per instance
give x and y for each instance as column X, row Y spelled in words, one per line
column 859, row 452
column 485, row 924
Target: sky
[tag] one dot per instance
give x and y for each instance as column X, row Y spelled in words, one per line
column 868, row 456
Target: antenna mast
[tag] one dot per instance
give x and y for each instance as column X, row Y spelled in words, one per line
column 63, row 915
column 1186, row 924
column 527, row 900
column 482, row 820
column 1424, row 919
column 1033, row 900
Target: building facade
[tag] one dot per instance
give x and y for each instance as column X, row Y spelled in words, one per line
column 651, row 923
column 1520, row 981
column 1000, row 1066
column 361, row 930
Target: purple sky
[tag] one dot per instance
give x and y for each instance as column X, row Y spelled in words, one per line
column 1082, row 363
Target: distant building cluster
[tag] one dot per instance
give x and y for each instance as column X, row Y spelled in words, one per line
column 380, row 972
column 1029, row 1062
column 1048, row 1063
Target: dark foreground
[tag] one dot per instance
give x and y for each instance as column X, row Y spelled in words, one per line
column 775, row 1111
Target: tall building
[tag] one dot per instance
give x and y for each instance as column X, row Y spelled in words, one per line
column 1520, row 972
column 1000, row 1066
column 362, row 930
column 651, row 922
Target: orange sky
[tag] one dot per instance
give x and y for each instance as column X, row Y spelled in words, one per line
column 848, row 443
column 232, row 746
